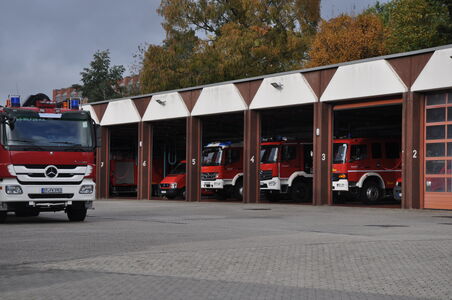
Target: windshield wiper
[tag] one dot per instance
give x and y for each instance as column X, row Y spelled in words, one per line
column 22, row 141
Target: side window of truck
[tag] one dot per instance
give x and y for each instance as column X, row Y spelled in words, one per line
column 289, row 152
column 376, row 150
column 392, row 150
column 358, row 152
column 233, row 156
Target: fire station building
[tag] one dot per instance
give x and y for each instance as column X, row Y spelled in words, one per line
column 405, row 97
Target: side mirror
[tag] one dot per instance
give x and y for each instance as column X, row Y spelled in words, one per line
column 98, row 135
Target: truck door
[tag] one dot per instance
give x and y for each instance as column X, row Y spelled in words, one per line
column 392, row 163
column 359, row 162
column 290, row 161
column 233, row 164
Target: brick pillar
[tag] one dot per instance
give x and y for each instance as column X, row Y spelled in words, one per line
column 251, row 159
column 412, row 148
column 144, row 160
column 193, row 181
column 103, row 165
column 323, row 115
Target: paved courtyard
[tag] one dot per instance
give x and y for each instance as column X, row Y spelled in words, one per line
column 179, row 250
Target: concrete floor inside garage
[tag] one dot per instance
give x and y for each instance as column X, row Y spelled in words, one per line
column 380, row 123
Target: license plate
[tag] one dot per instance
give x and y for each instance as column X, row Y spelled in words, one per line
column 51, row 190
column 163, row 192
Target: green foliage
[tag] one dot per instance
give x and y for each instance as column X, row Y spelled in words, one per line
column 215, row 40
column 100, row 81
column 415, row 24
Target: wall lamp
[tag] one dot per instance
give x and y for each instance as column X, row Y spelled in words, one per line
column 161, row 102
column 277, row 85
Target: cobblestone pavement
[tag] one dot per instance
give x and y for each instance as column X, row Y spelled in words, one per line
column 179, row 250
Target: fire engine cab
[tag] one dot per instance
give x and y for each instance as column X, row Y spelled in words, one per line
column 365, row 168
column 286, row 167
column 173, row 185
column 46, row 158
column 222, row 169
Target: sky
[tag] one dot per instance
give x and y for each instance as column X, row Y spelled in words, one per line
column 45, row 44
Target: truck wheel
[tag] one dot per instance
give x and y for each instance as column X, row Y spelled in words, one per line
column 76, row 214
column 371, row 192
column 238, row 190
column 300, row 191
column 3, row 215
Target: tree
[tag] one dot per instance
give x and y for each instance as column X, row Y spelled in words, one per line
column 216, row 40
column 347, row 38
column 100, row 81
column 415, row 24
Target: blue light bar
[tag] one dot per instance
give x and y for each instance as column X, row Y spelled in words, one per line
column 15, row 101
column 74, row 104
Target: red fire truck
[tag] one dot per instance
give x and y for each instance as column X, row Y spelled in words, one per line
column 173, row 185
column 46, row 159
column 286, row 168
column 365, row 168
column 222, row 169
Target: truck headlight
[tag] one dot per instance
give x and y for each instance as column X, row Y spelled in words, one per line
column 11, row 170
column 173, row 185
column 87, row 189
column 89, row 170
column 13, row 189
column 272, row 183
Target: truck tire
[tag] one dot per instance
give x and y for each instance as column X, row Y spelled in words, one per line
column 238, row 190
column 3, row 215
column 371, row 192
column 300, row 191
column 77, row 214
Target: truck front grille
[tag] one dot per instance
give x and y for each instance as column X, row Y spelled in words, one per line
column 208, row 176
column 265, row 174
column 51, row 196
column 61, row 174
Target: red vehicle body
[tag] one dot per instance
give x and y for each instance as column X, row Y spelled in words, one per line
column 46, row 159
column 173, row 185
column 123, row 176
column 365, row 167
column 286, row 167
column 222, row 169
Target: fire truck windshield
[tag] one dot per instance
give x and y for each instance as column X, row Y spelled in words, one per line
column 269, row 154
column 179, row 169
column 340, row 153
column 212, row 156
column 64, row 134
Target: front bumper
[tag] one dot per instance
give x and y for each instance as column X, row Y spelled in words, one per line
column 340, row 185
column 273, row 184
column 217, row 184
column 35, row 193
column 169, row 192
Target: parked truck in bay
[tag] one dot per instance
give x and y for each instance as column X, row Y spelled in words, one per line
column 365, row 168
column 173, row 185
column 222, row 169
column 286, row 168
column 47, row 158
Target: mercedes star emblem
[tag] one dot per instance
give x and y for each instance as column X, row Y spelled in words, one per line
column 51, row 171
